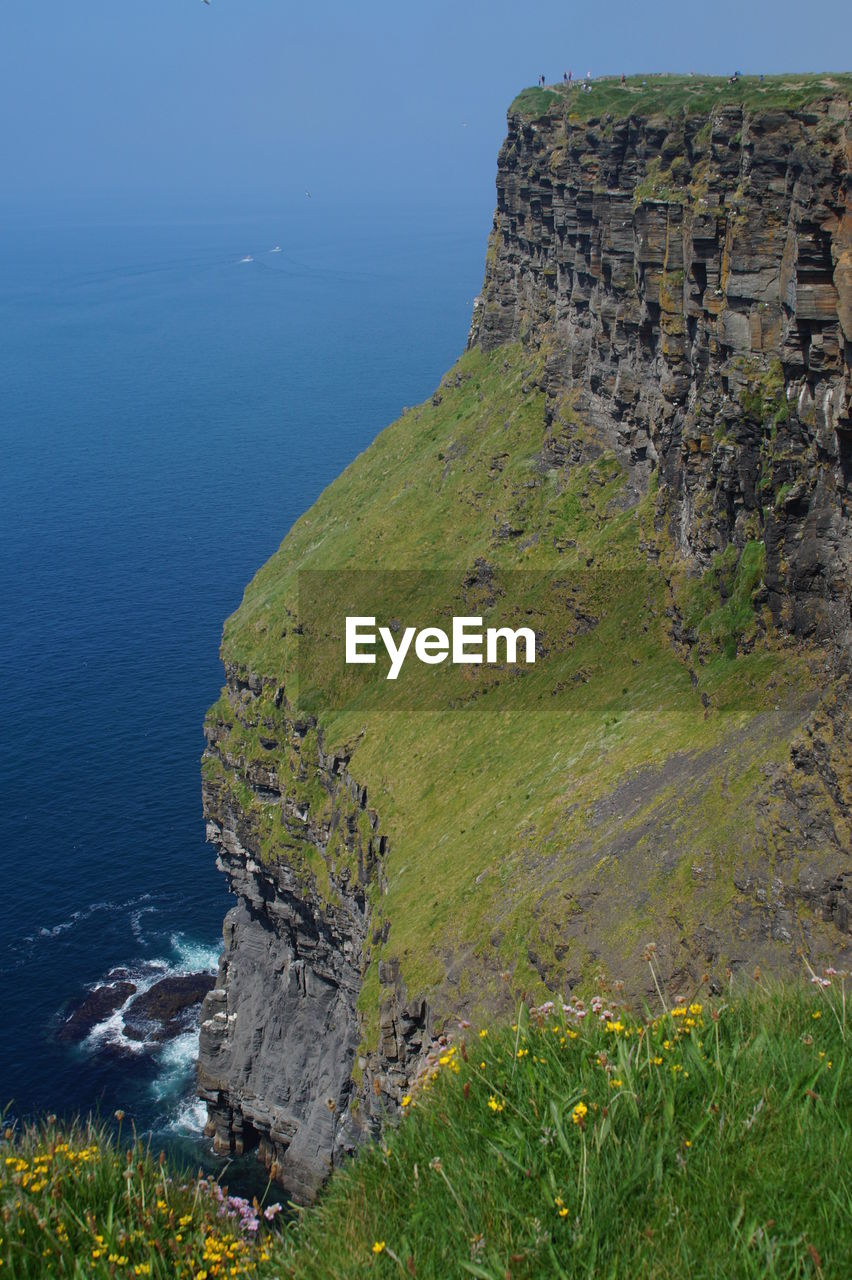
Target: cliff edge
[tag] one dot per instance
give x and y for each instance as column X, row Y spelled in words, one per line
column 655, row 412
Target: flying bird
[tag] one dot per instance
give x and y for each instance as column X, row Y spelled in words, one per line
column 308, row 194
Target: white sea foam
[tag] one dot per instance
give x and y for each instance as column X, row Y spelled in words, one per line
column 176, row 1061
column 194, row 957
column 189, row 1117
column 136, row 922
column 109, row 1034
column 173, row 1086
column 78, row 917
column 75, row 918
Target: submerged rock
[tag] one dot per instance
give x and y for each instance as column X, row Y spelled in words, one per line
column 95, row 1006
column 163, row 1011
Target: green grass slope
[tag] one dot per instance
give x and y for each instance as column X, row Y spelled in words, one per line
column 712, row 1141
column 546, row 823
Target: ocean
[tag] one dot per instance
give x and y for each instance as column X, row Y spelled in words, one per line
column 167, row 410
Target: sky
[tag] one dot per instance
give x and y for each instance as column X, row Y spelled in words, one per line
column 159, row 104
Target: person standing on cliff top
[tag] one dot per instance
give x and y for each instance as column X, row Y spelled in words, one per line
column 623, row 78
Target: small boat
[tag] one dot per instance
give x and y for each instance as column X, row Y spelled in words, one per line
column 277, row 249
column 247, row 258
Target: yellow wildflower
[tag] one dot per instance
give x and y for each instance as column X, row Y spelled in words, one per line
column 406, row 1101
column 579, row 1112
column 379, row 1246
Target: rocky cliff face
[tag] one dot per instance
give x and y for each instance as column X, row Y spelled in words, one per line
column 683, row 292
column 690, row 282
column 280, row 1030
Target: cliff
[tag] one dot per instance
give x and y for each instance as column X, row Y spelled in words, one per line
column 691, row 281
column 653, row 412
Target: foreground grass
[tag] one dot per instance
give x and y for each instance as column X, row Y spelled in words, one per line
column 74, row 1203
column 713, row 1141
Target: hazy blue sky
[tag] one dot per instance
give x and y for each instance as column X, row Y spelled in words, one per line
column 164, row 102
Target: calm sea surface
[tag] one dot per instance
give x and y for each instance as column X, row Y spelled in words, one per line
column 166, row 412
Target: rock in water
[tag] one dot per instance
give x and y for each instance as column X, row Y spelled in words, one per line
column 164, row 1010
column 92, row 1009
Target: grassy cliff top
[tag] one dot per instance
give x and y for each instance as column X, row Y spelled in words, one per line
column 674, row 95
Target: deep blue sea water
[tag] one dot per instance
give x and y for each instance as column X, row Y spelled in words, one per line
column 166, row 412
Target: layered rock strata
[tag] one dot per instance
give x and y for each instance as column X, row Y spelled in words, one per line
column 690, row 282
